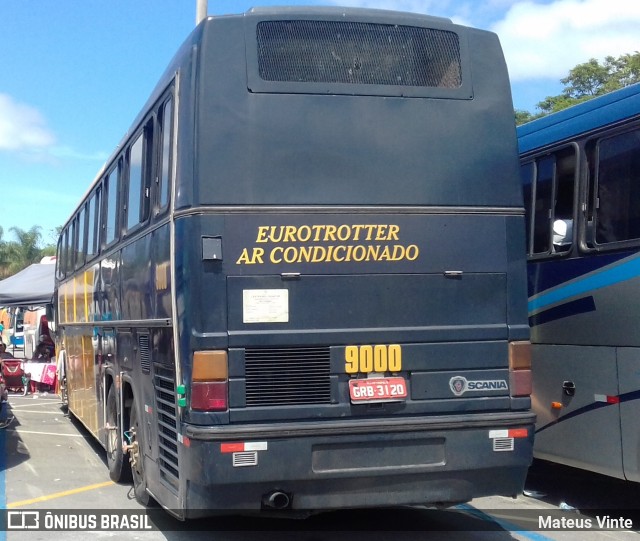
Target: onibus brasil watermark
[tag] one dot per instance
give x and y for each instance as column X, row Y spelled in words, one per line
column 65, row 520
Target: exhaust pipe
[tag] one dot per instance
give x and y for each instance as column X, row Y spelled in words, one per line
column 277, row 500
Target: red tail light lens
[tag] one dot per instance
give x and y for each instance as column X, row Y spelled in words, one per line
column 210, row 381
column 209, row 396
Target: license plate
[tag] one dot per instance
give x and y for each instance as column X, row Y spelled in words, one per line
column 377, row 390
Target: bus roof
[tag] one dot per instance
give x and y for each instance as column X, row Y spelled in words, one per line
column 579, row 119
column 306, row 11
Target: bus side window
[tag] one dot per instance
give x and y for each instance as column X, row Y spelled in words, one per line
column 73, row 244
column 164, row 162
column 61, row 260
column 618, row 188
column 135, row 183
column 139, row 158
column 93, row 221
column 110, row 217
column 563, row 218
column 549, row 193
column 80, row 249
column 527, row 172
column 543, row 197
column 590, row 153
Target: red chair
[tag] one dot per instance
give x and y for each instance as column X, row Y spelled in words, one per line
column 12, row 373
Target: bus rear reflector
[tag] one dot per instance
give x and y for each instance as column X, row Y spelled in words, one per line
column 520, row 355
column 520, row 382
column 520, row 368
column 210, row 381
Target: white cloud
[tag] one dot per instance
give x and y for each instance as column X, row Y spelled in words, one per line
column 67, row 152
column 541, row 39
column 465, row 12
column 22, row 127
column 414, row 6
column 547, row 40
column 24, row 131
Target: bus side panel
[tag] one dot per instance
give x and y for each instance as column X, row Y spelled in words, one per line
column 161, row 273
column 574, row 301
column 136, row 280
column 516, row 286
column 629, row 377
column 84, row 377
column 566, row 434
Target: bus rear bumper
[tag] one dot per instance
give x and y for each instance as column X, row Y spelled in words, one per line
column 437, row 463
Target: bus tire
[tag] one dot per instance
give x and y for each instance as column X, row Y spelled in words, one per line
column 119, row 467
column 137, row 461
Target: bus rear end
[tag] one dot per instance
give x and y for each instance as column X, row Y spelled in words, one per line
column 348, row 266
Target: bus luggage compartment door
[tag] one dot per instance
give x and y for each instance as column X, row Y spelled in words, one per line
column 339, row 309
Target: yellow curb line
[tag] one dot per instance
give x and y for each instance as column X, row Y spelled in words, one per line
column 59, row 495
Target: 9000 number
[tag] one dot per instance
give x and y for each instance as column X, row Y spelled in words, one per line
column 379, row 358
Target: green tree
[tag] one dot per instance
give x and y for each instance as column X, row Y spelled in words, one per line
column 5, row 256
column 26, row 250
column 553, row 104
column 586, row 81
column 29, row 247
column 625, row 71
column 523, row 116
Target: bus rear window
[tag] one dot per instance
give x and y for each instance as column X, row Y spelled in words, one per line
column 358, row 53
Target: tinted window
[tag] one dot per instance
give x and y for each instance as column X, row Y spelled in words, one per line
column 527, row 172
column 542, row 206
column 618, row 188
column 165, row 168
column 61, row 260
column 111, row 212
column 549, row 193
column 73, row 245
column 93, row 224
column 80, row 245
column 135, row 182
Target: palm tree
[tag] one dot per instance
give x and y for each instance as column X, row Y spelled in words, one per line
column 26, row 250
column 5, row 258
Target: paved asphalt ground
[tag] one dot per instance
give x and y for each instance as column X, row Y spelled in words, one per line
column 51, row 462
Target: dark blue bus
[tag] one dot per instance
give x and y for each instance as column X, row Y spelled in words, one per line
column 299, row 283
column 581, row 175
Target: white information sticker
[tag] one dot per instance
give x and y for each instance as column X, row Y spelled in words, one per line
column 265, row 306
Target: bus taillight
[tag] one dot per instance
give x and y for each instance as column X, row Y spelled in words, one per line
column 210, row 381
column 520, row 368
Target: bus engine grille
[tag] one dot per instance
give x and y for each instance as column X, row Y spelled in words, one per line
column 167, row 415
column 287, row 376
column 358, row 53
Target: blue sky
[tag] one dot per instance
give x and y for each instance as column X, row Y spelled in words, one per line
column 75, row 73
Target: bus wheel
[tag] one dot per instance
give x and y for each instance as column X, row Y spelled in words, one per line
column 136, row 455
column 119, row 468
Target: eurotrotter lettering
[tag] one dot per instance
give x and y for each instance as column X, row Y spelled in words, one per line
column 358, row 243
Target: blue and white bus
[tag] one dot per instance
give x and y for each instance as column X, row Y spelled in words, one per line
column 581, row 174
